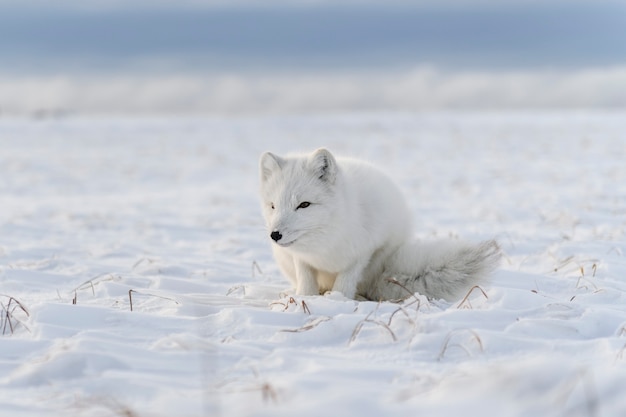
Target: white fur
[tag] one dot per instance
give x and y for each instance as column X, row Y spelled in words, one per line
column 355, row 235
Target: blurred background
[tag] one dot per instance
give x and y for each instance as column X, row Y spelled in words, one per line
column 244, row 56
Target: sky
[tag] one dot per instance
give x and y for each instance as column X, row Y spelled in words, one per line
column 212, row 57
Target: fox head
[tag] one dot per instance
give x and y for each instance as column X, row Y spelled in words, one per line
column 296, row 194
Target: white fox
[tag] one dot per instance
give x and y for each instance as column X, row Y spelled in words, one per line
column 342, row 225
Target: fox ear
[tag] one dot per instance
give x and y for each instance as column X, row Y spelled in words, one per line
column 269, row 163
column 323, row 164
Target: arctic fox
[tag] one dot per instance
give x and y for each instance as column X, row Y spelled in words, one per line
column 340, row 224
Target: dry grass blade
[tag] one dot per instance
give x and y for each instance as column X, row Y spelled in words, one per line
column 269, row 393
column 130, row 297
column 356, row 331
column 615, row 249
column 403, row 311
column 236, row 288
column 91, row 283
column 8, row 318
column 311, row 325
column 110, row 405
column 410, row 293
column 418, row 303
column 305, row 308
column 17, row 302
column 367, row 319
column 465, row 303
column 279, row 303
column 268, row 390
column 564, row 263
column 142, row 260
column 256, row 268
column 5, row 318
column 293, row 301
column 446, row 344
column 581, row 285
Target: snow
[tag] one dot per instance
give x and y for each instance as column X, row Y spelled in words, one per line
column 418, row 88
column 92, row 208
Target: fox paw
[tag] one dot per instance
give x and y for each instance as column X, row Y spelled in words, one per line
column 335, row 295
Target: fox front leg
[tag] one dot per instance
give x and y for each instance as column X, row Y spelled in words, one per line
column 346, row 282
column 306, row 281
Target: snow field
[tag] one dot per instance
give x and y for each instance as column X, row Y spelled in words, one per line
column 167, row 209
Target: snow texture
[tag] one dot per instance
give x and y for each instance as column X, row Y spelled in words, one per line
column 166, row 211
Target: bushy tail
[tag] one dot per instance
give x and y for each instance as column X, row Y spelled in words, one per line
column 439, row 269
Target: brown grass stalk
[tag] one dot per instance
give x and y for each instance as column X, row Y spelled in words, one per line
column 446, row 344
column 367, row 319
column 8, row 318
column 465, row 303
column 410, row 293
column 130, row 297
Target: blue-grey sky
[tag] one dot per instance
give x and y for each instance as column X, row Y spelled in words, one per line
column 318, row 36
column 229, row 56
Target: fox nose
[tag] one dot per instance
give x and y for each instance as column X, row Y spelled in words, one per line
column 276, row 236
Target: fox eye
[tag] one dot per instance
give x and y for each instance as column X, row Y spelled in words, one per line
column 272, row 206
column 304, row 204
